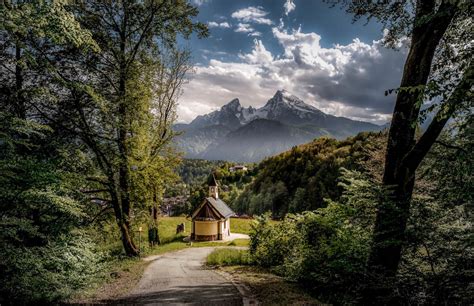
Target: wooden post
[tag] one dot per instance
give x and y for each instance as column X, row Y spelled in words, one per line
column 139, row 241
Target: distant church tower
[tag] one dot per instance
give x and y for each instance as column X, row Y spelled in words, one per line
column 213, row 187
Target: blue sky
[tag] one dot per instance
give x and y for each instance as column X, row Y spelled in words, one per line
column 304, row 46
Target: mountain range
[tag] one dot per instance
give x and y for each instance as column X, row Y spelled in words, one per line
column 250, row 134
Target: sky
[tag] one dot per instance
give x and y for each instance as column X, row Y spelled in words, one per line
column 306, row 47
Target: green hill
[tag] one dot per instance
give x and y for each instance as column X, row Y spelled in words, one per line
column 301, row 178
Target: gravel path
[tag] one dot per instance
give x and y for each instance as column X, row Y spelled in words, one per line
column 180, row 278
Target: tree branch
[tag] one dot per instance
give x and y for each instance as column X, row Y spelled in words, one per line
column 449, row 146
column 414, row 157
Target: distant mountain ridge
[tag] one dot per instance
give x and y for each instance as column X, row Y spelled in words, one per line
column 250, row 134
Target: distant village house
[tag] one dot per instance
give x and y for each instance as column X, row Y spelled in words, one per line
column 238, row 168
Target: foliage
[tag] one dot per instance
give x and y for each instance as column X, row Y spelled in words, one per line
column 109, row 87
column 438, row 72
column 438, row 257
column 196, row 171
column 45, row 255
column 327, row 248
column 48, row 273
column 300, row 179
column 228, row 257
column 86, row 110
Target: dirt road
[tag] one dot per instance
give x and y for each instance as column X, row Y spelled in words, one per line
column 180, row 278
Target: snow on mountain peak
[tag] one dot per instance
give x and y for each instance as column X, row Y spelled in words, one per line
column 283, row 106
column 285, row 99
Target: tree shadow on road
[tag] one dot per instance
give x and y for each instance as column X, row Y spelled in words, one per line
column 224, row 294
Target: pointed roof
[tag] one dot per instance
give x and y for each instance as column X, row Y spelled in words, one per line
column 221, row 207
column 207, row 212
column 217, row 206
column 212, row 180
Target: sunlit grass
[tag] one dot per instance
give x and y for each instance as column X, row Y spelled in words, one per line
column 228, row 257
column 170, row 241
column 241, row 226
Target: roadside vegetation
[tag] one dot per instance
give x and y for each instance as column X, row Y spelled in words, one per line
column 118, row 274
column 86, row 110
column 228, row 257
column 270, row 289
column 326, row 250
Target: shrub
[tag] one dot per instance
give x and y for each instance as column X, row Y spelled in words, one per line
column 48, row 273
column 326, row 249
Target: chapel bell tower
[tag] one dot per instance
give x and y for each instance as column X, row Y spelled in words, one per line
column 213, row 187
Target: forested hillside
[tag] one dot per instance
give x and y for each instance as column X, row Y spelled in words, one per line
column 192, row 171
column 301, row 178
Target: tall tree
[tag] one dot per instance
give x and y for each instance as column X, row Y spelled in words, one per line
column 117, row 97
column 438, row 68
column 44, row 254
column 121, row 101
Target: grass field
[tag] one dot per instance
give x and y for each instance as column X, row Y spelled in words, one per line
column 242, row 226
column 170, row 241
column 167, row 228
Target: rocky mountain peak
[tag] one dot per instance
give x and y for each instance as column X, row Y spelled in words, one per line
column 283, row 99
column 233, row 106
column 239, row 133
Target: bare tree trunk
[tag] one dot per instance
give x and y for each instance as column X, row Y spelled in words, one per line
column 399, row 177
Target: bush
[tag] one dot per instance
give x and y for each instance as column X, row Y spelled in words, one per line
column 44, row 254
column 325, row 249
column 228, row 257
column 48, row 273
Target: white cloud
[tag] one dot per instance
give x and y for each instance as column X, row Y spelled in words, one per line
column 252, row 14
column 213, row 24
column 259, row 54
column 200, row 2
column 244, row 28
column 343, row 80
column 289, row 6
column 247, row 28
